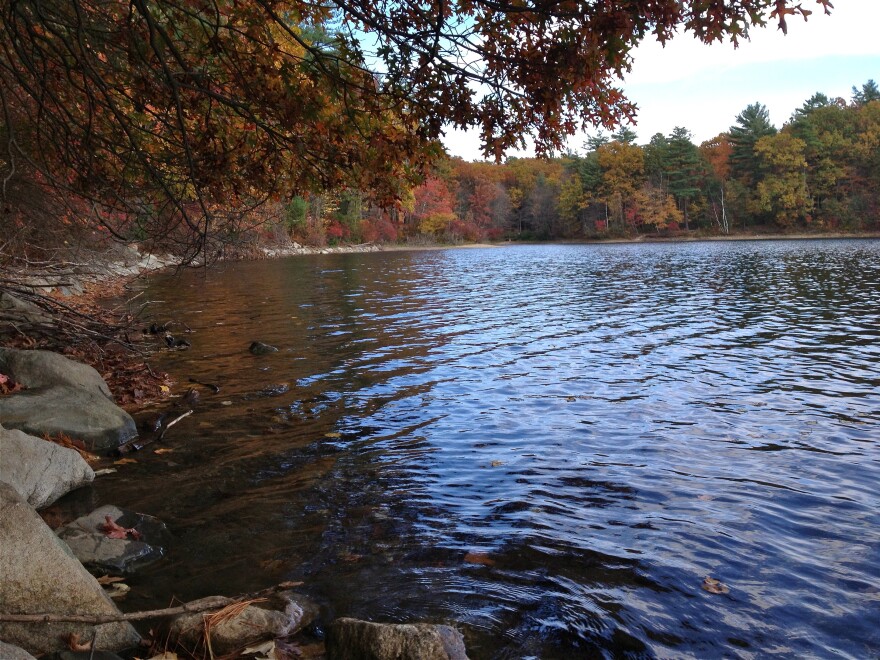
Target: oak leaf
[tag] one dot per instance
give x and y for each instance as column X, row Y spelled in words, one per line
column 115, row 531
column 75, row 645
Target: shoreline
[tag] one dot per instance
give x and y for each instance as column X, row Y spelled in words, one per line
column 99, row 283
column 298, row 250
column 799, row 236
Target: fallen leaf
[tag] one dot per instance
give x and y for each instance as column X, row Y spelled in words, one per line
column 75, row 645
column 124, row 461
column 117, row 591
column 78, row 446
column 9, row 386
column 287, row 650
column 264, row 649
column 479, row 558
column 497, row 463
column 164, row 389
column 163, row 450
column 226, row 403
column 109, row 579
column 333, row 434
column 714, row 586
column 115, row 531
column 273, row 565
column 101, row 473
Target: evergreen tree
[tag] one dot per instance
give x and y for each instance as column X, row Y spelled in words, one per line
column 869, row 92
column 816, row 101
column 752, row 124
column 625, row 135
column 684, row 170
column 656, row 155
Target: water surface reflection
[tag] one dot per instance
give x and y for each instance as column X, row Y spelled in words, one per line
column 549, row 446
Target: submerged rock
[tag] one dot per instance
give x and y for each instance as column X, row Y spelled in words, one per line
column 259, row 348
column 352, row 639
column 275, row 390
column 282, row 615
column 40, row 471
column 88, row 540
column 62, row 396
column 40, row 575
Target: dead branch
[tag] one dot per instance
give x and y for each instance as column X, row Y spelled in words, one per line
column 212, row 603
column 173, row 422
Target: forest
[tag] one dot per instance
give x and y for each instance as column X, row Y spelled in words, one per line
column 819, row 172
column 200, row 126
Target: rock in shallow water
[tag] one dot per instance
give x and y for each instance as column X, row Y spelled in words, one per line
column 88, row 540
column 40, row 471
column 40, row 575
column 352, row 639
column 284, row 614
column 259, row 348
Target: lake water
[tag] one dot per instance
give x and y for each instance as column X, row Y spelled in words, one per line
column 549, row 447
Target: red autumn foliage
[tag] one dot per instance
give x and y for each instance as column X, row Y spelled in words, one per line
column 115, row 531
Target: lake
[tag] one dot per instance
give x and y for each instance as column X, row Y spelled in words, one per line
column 549, row 447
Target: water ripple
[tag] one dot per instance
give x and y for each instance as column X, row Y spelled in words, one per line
column 551, row 446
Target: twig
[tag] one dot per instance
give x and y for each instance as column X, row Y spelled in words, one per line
column 213, row 603
column 173, row 422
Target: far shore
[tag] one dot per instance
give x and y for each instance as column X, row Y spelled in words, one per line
column 641, row 238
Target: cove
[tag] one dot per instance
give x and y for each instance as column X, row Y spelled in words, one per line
column 549, row 447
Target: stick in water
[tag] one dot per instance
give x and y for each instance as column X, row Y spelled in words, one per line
column 173, row 422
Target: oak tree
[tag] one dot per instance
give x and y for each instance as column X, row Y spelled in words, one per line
column 175, row 111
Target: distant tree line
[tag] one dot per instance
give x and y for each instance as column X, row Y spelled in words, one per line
column 820, row 171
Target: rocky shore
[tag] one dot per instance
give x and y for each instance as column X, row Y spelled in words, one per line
column 57, row 586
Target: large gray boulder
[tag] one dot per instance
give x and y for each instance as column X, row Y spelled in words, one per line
column 99, row 553
column 284, row 614
column 41, row 369
column 40, row 471
column 352, row 639
column 40, row 575
column 62, row 396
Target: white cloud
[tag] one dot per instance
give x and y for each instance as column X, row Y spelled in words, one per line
column 703, row 88
column 850, row 30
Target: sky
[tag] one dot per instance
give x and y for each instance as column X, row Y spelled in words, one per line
column 703, row 88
